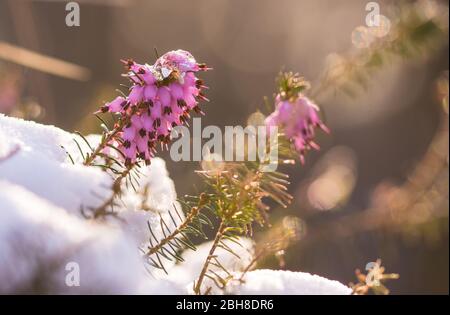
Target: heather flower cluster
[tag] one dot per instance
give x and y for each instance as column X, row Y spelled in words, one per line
column 161, row 97
column 296, row 114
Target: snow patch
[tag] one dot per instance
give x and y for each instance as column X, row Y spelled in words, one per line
column 280, row 282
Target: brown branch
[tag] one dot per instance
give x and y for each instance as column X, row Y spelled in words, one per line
column 192, row 215
column 102, row 145
column 217, row 239
column 44, row 63
column 116, row 187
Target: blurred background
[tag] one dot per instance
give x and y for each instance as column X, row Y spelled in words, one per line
column 379, row 186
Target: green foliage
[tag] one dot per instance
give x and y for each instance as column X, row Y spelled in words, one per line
column 238, row 194
column 178, row 231
column 290, row 85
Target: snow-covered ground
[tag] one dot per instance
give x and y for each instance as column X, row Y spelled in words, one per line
column 42, row 230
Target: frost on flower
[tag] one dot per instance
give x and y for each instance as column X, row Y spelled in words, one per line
column 296, row 114
column 161, row 97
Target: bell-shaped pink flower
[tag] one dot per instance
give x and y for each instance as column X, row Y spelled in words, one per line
column 136, row 94
column 299, row 118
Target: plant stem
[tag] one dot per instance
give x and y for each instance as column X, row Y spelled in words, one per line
column 116, row 188
column 107, row 139
column 186, row 222
column 217, row 239
column 90, row 158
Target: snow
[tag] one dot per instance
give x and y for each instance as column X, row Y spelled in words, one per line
column 42, row 229
column 185, row 273
column 280, row 282
column 41, row 166
column 38, row 242
column 159, row 190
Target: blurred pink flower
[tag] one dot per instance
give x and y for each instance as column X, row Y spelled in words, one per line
column 299, row 118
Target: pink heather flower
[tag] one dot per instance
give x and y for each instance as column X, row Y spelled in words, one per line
column 136, row 95
column 160, row 97
column 114, row 106
column 299, row 118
